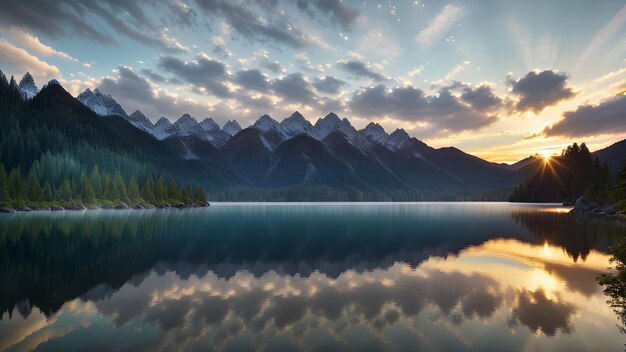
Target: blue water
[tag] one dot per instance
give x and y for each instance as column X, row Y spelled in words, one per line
column 307, row 276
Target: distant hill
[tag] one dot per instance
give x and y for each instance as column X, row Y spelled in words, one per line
column 614, row 156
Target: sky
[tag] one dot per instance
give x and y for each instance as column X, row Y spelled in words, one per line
column 499, row 79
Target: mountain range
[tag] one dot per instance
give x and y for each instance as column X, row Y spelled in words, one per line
column 285, row 160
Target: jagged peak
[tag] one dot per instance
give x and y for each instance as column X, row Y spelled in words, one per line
column 208, row 124
column 163, row 121
column 296, row 115
column 231, row 127
column 187, row 117
column 331, row 116
column 137, row 113
column 400, row 132
column 87, row 90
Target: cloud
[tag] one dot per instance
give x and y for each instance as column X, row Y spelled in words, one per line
column 591, row 120
column 440, row 25
column 204, row 72
column 21, row 60
column 329, row 84
column 32, row 43
column 250, row 25
column 540, row 89
column 360, row 69
column 78, row 18
column 294, row 88
column 444, row 111
column 339, row 13
column 252, row 79
column 135, row 92
column 481, row 98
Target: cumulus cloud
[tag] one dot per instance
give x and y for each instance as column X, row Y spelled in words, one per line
column 252, row 79
column 294, row 88
column 329, row 84
column 540, row 89
column 339, row 12
column 591, row 120
column 360, row 69
column 440, row 25
column 22, row 61
column 444, row 111
column 204, row 72
column 135, row 92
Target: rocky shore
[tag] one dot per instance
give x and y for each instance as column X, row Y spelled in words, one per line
column 586, row 206
column 119, row 205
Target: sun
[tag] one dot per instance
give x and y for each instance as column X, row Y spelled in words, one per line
column 545, row 155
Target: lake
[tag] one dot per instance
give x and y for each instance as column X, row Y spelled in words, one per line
column 312, row 277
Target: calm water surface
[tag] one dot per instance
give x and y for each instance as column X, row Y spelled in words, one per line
column 318, row 277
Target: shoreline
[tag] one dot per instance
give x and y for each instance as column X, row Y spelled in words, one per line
column 583, row 206
column 116, row 206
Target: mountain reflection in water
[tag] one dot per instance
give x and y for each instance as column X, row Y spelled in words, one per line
column 432, row 276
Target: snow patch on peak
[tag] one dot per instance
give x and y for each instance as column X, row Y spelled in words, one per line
column 375, row 132
column 208, row 125
column 139, row 120
column 27, row 86
column 101, row 104
column 188, row 125
column 296, row 124
column 267, row 123
column 330, row 123
column 398, row 139
column 163, row 128
column 231, row 128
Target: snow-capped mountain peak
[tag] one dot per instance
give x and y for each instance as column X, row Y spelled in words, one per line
column 330, row 123
column 27, row 86
column 163, row 128
column 208, row 125
column 188, row 125
column 139, row 120
column 398, row 139
column 231, row 127
column 375, row 132
column 267, row 123
column 296, row 124
column 101, row 104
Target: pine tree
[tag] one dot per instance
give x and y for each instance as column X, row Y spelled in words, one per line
column 15, row 185
column 65, row 191
column 147, row 190
column 88, row 195
column 159, row 189
column 187, row 193
column 133, row 191
column 34, row 188
column 119, row 187
column 173, row 192
column 96, row 182
column 200, row 195
column 46, row 193
column 107, row 192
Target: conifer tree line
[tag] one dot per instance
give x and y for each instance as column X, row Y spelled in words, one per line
column 92, row 190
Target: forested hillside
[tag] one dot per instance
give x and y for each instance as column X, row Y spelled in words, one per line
column 55, row 151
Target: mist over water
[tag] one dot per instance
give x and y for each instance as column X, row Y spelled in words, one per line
column 336, row 276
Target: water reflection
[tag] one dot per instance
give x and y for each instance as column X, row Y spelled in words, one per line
column 376, row 277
